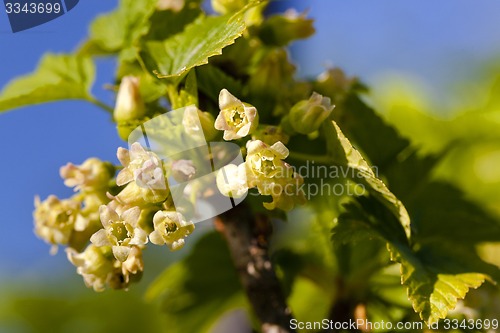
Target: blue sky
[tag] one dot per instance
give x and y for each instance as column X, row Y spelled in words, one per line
column 438, row 41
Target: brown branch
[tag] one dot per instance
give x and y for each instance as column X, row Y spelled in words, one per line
column 345, row 309
column 247, row 237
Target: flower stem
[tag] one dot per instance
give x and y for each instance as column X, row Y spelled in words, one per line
column 100, row 104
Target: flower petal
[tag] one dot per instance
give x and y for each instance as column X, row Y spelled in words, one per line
column 156, row 238
column 121, row 252
column 100, row 238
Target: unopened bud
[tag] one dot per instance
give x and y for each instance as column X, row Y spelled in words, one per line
column 306, row 116
column 129, row 104
column 194, row 118
column 280, row 30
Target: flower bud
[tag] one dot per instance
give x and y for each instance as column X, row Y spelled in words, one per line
column 280, row 30
column 306, row 116
column 336, row 84
column 129, row 104
column 193, row 118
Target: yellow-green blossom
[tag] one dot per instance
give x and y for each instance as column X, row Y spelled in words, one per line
column 267, row 171
column 236, row 119
column 55, row 220
column 99, row 268
column 170, row 228
column 96, row 265
column 265, row 164
column 145, row 169
column 93, row 174
column 286, row 193
column 121, row 231
column 134, row 265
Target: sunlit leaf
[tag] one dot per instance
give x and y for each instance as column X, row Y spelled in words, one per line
column 57, row 77
column 436, row 275
column 344, row 153
column 119, row 29
column 204, row 38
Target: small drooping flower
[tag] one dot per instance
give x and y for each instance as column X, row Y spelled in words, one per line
column 170, row 228
column 236, row 119
column 144, row 168
column 306, row 116
column 99, row 268
column 121, row 231
column 55, row 220
column 96, row 265
column 134, row 265
column 232, row 180
column 286, row 193
column 265, row 164
column 267, row 171
column 93, row 174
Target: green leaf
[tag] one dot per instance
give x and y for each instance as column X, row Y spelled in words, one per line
column 436, row 275
column 166, row 23
column 443, row 214
column 345, row 154
column 196, row 291
column 57, row 77
column 119, row 29
column 211, row 80
column 204, row 38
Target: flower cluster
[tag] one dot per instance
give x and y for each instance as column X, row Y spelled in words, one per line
column 117, row 210
column 264, row 167
column 106, row 233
